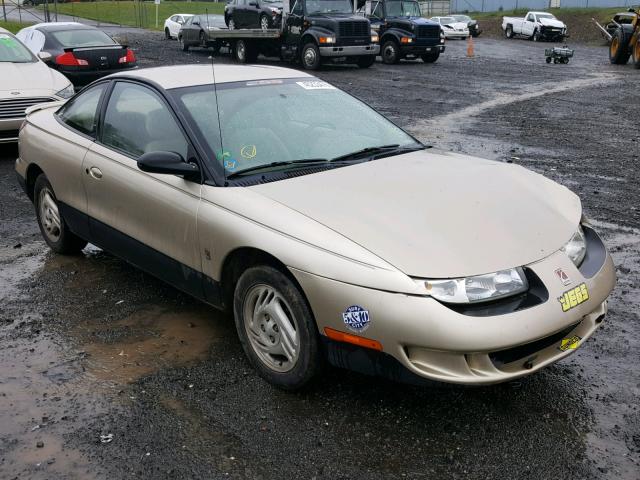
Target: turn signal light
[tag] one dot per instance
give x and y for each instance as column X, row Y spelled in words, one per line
column 128, row 58
column 70, row 60
column 353, row 339
column 406, row 40
column 327, row 39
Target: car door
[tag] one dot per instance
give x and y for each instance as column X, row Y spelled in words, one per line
column 528, row 25
column 174, row 25
column 240, row 14
column 253, row 14
column 148, row 219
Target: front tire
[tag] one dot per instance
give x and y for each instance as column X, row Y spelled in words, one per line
column 265, row 24
column 635, row 53
column 276, row 328
column 430, row 57
column 366, row 61
column 390, row 52
column 183, row 46
column 232, row 24
column 52, row 225
column 536, row 36
column 619, row 48
column 310, row 56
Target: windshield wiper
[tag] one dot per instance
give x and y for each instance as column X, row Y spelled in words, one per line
column 302, row 161
column 393, row 149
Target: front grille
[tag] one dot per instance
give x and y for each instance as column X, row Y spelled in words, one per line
column 354, row 29
column 428, row 31
column 15, row 107
column 8, row 134
column 523, row 351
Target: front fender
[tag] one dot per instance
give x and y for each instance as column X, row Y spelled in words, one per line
column 317, row 32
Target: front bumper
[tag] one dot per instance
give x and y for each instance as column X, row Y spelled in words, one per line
column 450, row 34
column 350, row 51
column 420, row 49
column 434, row 342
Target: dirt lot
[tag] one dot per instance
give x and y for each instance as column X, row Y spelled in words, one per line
column 91, row 347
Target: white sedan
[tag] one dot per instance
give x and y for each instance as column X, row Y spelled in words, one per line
column 452, row 28
column 173, row 24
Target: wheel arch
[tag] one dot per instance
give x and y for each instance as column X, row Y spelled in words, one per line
column 33, row 171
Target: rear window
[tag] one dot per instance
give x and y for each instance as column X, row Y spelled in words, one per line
column 82, row 38
column 11, row 50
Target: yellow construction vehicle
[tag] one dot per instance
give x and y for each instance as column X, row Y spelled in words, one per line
column 625, row 40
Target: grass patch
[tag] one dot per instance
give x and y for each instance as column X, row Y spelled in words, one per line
column 13, row 27
column 135, row 14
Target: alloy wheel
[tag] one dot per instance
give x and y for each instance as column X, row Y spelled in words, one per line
column 49, row 215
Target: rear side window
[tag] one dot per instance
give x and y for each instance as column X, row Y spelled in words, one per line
column 137, row 121
column 81, row 113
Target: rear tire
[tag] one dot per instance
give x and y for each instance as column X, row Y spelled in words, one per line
column 430, row 57
column 366, row 61
column 183, row 46
column 548, row 60
column 310, row 56
column 232, row 24
column 390, row 52
column 240, row 51
column 203, row 40
column 276, row 328
column 508, row 32
column 619, row 48
column 167, row 34
column 635, row 53
column 265, row 24
column 52, row 225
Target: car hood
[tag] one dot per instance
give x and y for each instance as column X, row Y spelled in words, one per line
column 547, row 22
column 437, row 215
column 29, row 77
column 456, row 25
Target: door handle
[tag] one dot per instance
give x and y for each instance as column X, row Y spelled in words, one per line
column 95, row 172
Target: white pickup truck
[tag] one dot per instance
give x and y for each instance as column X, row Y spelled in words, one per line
column 536, row 26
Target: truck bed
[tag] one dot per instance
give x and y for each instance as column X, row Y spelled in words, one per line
column 245, row 33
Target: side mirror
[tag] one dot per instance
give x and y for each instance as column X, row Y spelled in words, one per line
column 167, row 163
column 45, row 56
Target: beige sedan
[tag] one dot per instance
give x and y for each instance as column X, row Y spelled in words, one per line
column 330, row 232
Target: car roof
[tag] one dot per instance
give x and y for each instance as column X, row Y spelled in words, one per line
column 178, row 76
column 4, row 30
column 62, row 26
column 545, row 13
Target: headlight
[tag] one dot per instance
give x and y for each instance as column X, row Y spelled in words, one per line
column 374, row 38
column 480, row 288
column 576, row 248
column 66, row 92
column 327, row 39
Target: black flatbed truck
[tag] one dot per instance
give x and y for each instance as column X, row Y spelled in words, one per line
column 310, row 37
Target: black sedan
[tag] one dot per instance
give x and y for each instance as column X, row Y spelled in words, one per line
column 195, row 32
column 262, row 14
column 81, row 52
column 474, row 27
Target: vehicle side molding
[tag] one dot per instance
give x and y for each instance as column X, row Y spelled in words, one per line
column 169, row 163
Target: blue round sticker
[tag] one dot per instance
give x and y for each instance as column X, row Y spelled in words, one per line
column 356, row 318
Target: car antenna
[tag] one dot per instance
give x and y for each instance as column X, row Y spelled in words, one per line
column 215, row 93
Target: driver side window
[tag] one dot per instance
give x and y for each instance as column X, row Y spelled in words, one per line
column 376, row 11
column 297, row 8
column 530, row 18
column 137, row 121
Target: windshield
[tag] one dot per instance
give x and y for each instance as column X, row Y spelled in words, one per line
column 82, row 38
column 461, row 18
column 329, row 6
column 271, row 1
column 268, row 121
column 445, row 20
column 403, row 9
column 545, row 15
column 11, row 50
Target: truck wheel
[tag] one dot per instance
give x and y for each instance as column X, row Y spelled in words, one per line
column 366, row 61
column 536, row 36
column 430, row 57
column 310, row 56
column 184, row 46
column 548, row 60
column 390, row 52
column 635, row 53
column 52, row 225
column 508, row 32
column 203, row 40
column 240, row 51
column 619, row 48
column 276, row 328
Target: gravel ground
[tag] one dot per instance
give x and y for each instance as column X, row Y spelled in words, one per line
column 91, row 346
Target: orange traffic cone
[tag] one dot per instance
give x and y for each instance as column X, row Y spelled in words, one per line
column 470, row 46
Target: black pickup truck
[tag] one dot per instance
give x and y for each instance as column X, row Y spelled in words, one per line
column 402, row 31
column 312, row 32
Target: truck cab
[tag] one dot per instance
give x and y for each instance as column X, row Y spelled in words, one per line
column 402, row 31
column 317, row 31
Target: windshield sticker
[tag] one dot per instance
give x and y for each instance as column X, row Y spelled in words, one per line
column 230, row 164
column 316, row 85
column 263, row 82
column 356, row 318
column 248, row 151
